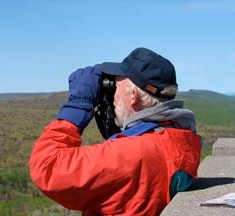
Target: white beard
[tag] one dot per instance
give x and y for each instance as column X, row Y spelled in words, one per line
column 122, row 112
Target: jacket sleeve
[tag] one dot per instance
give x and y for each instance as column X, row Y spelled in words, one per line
column 80, row 177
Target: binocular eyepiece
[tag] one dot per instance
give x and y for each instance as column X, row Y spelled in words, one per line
column 104, row 113
column 109, row 84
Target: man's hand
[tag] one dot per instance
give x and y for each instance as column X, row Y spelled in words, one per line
column 84, row 85
column 84, row 94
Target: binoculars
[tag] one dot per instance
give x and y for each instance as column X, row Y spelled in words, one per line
column 109, row 85
column 104, row 112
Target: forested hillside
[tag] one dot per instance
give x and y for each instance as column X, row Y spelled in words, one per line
column 215, row 115
column 23, row 118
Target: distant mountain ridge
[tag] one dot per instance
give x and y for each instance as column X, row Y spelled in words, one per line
column 202, row 94
column 21, row 95
column 205, row 94
column 34, row 100
column 230, row 93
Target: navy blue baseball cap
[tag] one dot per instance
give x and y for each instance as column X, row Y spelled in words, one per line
column 148, row 70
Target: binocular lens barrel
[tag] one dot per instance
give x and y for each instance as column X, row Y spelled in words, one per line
column 109, row 84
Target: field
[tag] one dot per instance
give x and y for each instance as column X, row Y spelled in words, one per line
column 23, row 118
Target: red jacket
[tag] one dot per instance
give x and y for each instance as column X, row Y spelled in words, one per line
column 129, row 175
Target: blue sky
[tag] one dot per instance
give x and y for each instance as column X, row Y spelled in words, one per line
column 43, row 41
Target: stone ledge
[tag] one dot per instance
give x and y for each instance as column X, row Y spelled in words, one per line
column 224, row 147
column 188, row 203
column 218, row 166
column 216, row 178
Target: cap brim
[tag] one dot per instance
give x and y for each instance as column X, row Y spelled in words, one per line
column 112, row 68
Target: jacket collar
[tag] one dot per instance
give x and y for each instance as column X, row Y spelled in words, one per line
column 137, row 129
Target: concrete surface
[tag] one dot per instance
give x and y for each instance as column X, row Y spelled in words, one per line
column 216, row 178
column 224, row 147
column 188, row 203
column 218, row 166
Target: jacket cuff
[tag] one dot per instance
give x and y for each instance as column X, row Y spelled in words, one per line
column 77, row 116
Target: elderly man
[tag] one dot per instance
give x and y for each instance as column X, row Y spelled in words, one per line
column 136, row 171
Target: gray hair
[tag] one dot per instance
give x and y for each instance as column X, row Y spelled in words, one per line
column 147, row 100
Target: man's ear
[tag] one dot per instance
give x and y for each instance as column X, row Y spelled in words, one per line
column 134, row 97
